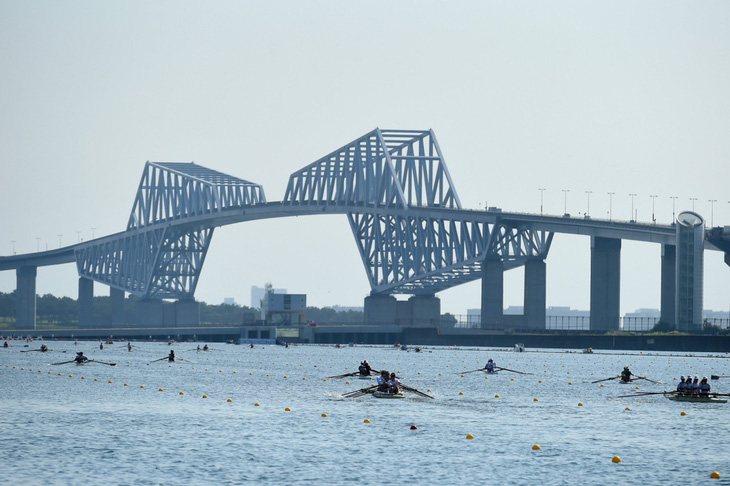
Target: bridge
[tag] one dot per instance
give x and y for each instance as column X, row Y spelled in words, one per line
column 412, row 233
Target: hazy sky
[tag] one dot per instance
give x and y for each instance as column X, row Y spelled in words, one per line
column 624, row 97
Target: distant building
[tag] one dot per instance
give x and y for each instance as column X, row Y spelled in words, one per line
column 229, row 301
column 258, row 294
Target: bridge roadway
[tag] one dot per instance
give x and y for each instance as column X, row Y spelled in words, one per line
column 655, row 233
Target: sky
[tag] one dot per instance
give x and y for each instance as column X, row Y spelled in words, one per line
column 607, row 97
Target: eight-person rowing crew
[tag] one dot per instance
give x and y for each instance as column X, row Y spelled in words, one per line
column 388, row 383
column 696, row 388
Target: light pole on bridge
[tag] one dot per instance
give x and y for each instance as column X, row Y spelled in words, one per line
column 565, row 206
column 653, row 198
column 610, row 205
column 633, row 219
column 542, row 192
column 674, row 199
column 588, row 211
column 693, row 199
column 712, row 212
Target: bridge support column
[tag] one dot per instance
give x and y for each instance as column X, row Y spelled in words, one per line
column 605, row 283
column 25, row 311
column 380, row 309
column 426, row 310
column 690, row 230
column 492, row 294
column 535, row 294
column 187, row 313
column 116, row 296
column 668, row 284
column 86, row 303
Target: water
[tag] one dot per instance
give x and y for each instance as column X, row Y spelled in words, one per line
column 60, row 429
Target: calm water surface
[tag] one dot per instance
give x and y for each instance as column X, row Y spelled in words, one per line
column 68, row 423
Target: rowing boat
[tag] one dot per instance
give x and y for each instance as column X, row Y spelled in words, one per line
column 387, row 395
column 684, row 398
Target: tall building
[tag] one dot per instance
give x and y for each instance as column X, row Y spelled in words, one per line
column 259, row 293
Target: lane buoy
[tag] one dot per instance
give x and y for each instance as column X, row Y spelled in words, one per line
column 683, row 413
column 413, row 427
column 715, row 475
column 181, row 393
column 205, row 396
column 324, row 415
column 580, row 404
column 256, row 404
column 160, row 389
column 496, row 396
column 535, row 400
column 366, row 421
column 536, row 447
column 229, row 400
column 287, row 409
column 616, row 459
column 469, row 436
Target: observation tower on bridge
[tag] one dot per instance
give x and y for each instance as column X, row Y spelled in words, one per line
column 413, row 236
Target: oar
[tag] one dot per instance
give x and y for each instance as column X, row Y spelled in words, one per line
column 606, row 379
column 31, row 350
column 157, row 360
column 345, row 375
column 360, row 392
column 64, row 362
column 712, row 377
column 513, row 371
column 101, row 362
column 645, row 393
column 406, row 387
column 471, row 371
column 647, row 379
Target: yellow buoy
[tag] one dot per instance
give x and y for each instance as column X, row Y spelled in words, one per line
column 469, row 436
column 683, row 413
column 324, row 379
column 83, row 377
column 285, row 376
column 109, row 381
column 324, row 415
column 715, row 475
column 160, row 389
column 304, row 378
column 536, row 447
column 181, row 393
column 627, row 408
column 580, row 404
column 141, row 386
column 428, row 389
column 366, row 421
column 256, row 404
column 539, row 381
column 287, row 409
column 229, row 400
column 70, row 376
column 205, row 396
column 347, row 383
column 535, row 400
column 616, row 459
column 570, row 383
column 126, row 384
column 461, row 393
column 512, row 379
column 496, row 396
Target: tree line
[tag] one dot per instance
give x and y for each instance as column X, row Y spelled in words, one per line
column 63, row 312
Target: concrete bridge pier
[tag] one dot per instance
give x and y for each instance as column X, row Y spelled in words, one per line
column 668, row 284
column 605, row 283
column 86, row 303
column 535, row 294
column 493, row 294
column 25, row 311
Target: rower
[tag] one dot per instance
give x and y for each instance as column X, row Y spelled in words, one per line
column 626, row 375
column 704, row 387
column 101, row 345
column 206, row 348
column 696, row 386
column 80, row 358
column 383, row 381
column 681, row 386
column 198, row 347
column 393, row 384
column 6, row 345
column 490, row 366
column 367, row 366
column 129, row 346
column 44, row 348
column 171, row 356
